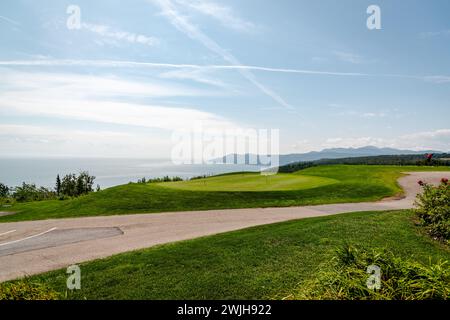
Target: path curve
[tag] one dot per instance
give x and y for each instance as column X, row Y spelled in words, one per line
column 145, row 230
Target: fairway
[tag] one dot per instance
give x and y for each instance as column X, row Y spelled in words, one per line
column 312, row 186
column 252, row 182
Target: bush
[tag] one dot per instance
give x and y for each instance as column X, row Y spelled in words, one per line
column 7, row 202
column 26, row 290
column 433, row 209
column 29, row 192
column 345, row 278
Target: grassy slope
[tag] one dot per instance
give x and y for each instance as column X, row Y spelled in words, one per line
column 260, row 262
column 356, row 183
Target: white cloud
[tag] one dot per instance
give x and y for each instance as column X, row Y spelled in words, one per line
column 99, row 99
column 353, row 142
column 437, row 79
column 46, row 133
column 87, row 105
column 224, row 14
column 119, row 35
column 47, row 85
column 34, row 140
column 149, row 116
column 349, row 57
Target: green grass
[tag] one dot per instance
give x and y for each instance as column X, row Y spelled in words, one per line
column 252, row 182
column 261, row 262
column 352, row 183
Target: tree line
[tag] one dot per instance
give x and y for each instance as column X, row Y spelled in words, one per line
column 71, row 185
column 442, row 159
column 157, row 180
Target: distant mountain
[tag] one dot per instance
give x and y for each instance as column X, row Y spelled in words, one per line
column 333, row 153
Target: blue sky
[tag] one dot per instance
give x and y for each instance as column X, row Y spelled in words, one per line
column 134, row 72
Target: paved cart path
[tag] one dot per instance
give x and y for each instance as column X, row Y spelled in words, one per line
column 32, row 247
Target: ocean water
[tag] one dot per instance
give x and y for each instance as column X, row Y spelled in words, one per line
column 108, row 172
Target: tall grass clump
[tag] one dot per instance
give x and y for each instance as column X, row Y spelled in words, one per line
column 26, row 290
column 346, row 277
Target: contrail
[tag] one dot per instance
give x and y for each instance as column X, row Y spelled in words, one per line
column 11, row 21
column 184, row 26
column 156, row 65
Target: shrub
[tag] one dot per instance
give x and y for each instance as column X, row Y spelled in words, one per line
column 433, row 209
column 29, row 192
column 26, row 290
column 163, row 179
column 345, row 278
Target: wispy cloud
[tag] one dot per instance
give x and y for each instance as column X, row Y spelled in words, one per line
column 119, row 35
column 168, row 9
column 364, row 114
column 349, row 57
column 436, row 139
column 431, row 34
column 224, row 14
column 85, row 86
column 429, row 134
column 373, row 114
column 99, row 99
column 19, row 139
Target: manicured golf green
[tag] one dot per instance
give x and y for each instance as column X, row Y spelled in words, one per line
column 257, row 263
column 316, row 185
column 252, row 182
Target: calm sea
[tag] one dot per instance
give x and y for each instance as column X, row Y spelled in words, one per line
column 108, row 172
